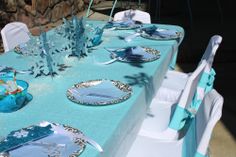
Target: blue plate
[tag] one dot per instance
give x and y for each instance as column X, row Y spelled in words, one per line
column 135, row 54
column 44, row 140
column 99, row 92
column 123, row 25
column 155, row 33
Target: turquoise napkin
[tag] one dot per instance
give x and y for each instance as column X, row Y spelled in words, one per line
column 155, row 31
column 54, row 145
column 136, row 53
column 126, row 23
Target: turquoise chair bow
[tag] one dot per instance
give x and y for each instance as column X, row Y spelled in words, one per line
column 180, row 117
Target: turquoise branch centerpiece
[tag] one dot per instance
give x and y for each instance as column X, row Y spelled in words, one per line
column 80, row 35
column 78, row 38
column 47, row 59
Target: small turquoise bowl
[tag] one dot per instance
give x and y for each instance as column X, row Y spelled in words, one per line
column 13, row 102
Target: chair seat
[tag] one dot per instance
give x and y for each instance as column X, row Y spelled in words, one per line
column 167, row 95
column 164, row 103
column 166, row 117
column 173, row 76
column 194, row 139
column 172, row 86
column 150, row 147
column 160, row 114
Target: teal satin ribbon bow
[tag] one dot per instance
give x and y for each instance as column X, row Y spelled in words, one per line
column 180, row 117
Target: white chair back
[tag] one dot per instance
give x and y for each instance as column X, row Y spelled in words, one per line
column 210, row 51
column 186, row 98
column 207, row 116
column 13, row 34
column 209, row 55
column 173, row 123
column 136, row 15
column 191, row 85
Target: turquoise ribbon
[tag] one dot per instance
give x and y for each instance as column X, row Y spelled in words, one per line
column 200, row 155
column 207, row 80
column 190, row 141
column 90, row 4
column 181, row 115
column 195, row 102
column 178, row 120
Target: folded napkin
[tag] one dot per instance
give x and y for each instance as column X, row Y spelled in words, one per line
column 60, row 142
column 21, row 48
column 124, row 24
column 96, row 38
column 149, row 30
column 105, row 91
column 136, row 53
column 155, row 31
column 21, row 137
column 164, row 33
column 54, row 145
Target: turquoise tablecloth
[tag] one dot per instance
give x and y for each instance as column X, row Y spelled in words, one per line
column 113, row 127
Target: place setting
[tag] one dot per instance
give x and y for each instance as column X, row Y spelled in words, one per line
column 127, row 22
column 99, row 92
column 132, row 54
column 154, row 32
column 46, row 139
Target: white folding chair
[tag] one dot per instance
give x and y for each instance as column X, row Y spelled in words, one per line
column 198, row 133
column 213, row 103
column 168, row 118
column 13, row 34
column 174, row 81
column 136, row 15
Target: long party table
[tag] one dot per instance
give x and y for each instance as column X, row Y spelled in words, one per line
column 115, row 126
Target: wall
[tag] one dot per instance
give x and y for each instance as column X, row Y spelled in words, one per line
column 38, row 12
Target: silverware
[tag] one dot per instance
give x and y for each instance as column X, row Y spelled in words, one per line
column 131, row 37
column 93, row 143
